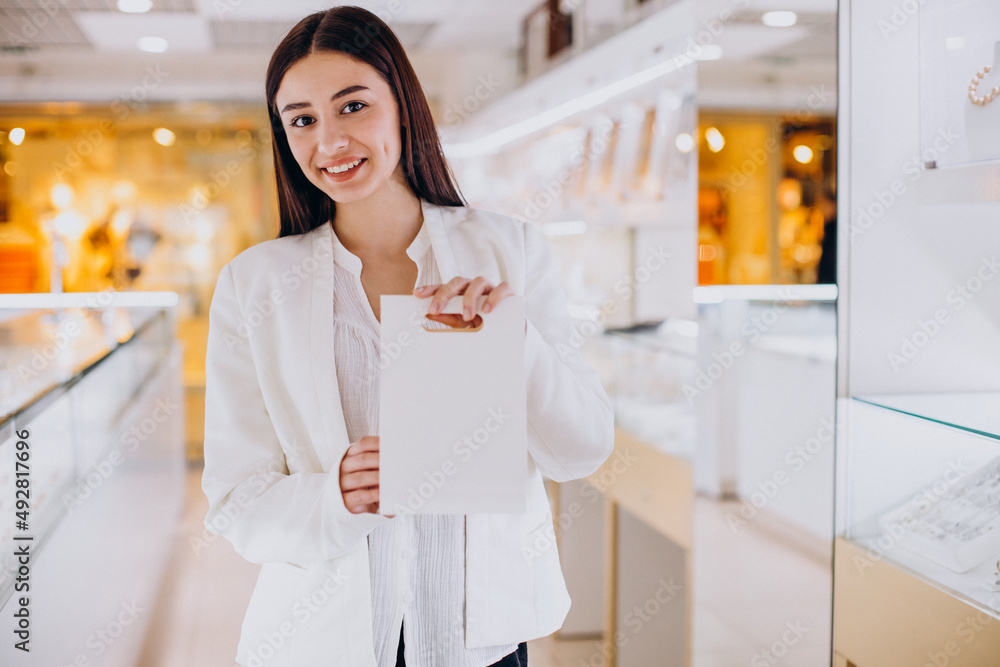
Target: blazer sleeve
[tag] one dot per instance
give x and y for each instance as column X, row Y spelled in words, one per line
column 266, row 513
column 570, row 417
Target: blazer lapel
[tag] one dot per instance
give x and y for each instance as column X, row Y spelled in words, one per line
column 322, row 354
column 443, row 255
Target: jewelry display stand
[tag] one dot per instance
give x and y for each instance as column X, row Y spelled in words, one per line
column 959, row 82
column 982, row 121
column 918, row 410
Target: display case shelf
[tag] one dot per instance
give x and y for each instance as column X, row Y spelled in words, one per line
column 976, row 412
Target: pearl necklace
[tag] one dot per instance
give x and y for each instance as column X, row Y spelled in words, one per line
column 982, row 101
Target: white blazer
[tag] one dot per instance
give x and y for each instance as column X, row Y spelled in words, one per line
column 275, row 436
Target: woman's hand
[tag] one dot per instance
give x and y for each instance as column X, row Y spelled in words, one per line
column 473, row 290
column 359, row 476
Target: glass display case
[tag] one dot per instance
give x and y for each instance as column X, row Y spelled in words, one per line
column 651, row 365
column 917, row 554
column 91, row 461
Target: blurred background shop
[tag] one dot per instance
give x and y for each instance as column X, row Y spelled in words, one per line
column 679, row 155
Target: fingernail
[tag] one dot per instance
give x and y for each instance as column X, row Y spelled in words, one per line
column 487, row 308
column 435, row 307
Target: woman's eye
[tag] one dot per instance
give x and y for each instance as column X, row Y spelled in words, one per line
column 301, row 121
column 350, row 104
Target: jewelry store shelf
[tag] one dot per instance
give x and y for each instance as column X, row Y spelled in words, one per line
column 976, row 412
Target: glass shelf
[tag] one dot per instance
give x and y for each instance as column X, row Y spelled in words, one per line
column 977, row 412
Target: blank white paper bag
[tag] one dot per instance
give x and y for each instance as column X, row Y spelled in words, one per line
column 452, row 413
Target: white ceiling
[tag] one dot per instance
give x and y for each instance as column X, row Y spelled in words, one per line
column 85, row 49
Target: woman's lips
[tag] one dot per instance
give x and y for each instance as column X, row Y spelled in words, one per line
column 344, row 175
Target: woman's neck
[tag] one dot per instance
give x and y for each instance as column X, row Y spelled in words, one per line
column 383, row 224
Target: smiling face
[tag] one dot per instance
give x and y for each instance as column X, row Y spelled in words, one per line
column 338, row 112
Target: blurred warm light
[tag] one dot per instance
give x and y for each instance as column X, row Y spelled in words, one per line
column 199, row 256
column 61, row 196
column 203, row 136
column 164, row 137
column 70, row 225
column 715, row 139
column 779, row 19
column 243, row 136
column 706, row 252
column 153, row 44
column 802, row 154
column 804, row 254
column 16, row 136
column 10, row 167
column 135, row 6
column 121, row 221
column 204, row 233
column 122, row 191
column 684, row 142
column 789, row 194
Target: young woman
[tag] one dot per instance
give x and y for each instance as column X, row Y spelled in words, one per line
column 368, row 208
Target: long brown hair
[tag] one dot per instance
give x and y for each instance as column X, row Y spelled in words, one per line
column 366, row 38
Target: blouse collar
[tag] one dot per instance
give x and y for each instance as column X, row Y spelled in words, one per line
column 352, row 262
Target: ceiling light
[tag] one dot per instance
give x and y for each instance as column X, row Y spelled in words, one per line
column 779, row 19
column 153, row 44
column 16, row 136
column 163, row 136
column 684, row 142
column 135, row 6
column 802, row 154
column 715, row 139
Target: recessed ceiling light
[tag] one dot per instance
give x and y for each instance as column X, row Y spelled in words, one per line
column 153, row 44
column 780, row 19
column 135, row 6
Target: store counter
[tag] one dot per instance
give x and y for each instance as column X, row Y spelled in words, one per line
column 91, row 471
column 625, row 532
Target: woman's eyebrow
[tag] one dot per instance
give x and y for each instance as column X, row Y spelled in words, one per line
column 336, row 96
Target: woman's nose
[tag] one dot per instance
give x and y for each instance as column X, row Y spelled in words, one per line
column 332, row 138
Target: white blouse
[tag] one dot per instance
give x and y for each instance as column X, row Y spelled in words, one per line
column 417, row 562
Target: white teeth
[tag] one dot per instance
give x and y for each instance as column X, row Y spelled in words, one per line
column 341, row 169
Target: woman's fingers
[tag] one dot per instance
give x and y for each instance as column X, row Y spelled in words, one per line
column 368, row 443
column 359, row 476
column 501, row 291
column 359, row 480
column 361, row 500
column 356, row 462
column 471, row 289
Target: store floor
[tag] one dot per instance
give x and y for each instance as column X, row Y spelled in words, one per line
column 761, row 599
column 206, row 590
